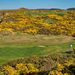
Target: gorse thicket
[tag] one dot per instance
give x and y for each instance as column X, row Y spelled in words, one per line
column 47, row 22
column 67, row 68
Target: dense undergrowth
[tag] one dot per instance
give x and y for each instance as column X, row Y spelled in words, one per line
column 43, row 65
column 38, row 22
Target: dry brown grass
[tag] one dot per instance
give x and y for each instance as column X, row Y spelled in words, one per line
column 34, row 39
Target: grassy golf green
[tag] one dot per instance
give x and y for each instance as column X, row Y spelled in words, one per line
column 52, row 45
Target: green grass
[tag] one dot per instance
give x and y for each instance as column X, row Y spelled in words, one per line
column 10, row 51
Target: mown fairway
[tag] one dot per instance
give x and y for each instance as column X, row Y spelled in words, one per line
column 23, row 45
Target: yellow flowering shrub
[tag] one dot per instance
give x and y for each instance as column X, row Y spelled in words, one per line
column 10, row 70
column 54, row 23
column 68, row 68
column 19, row 69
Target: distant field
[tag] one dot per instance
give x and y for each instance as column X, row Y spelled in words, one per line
column 23, row 45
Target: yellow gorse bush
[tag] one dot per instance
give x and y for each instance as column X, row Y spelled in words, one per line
column 10, row 70
column 18, row 69
column 67, row 68
column 27, row 22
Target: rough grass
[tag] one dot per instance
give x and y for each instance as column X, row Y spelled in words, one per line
column 24, row 45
